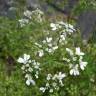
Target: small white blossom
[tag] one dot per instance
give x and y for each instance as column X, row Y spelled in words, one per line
column 69, row 51
column 36, row 75
column 38, row 45
column 74, row 58
column 25, row 59
column 28, row 14
column 49, row 76
column 83, row 65
column 51, row 90
column 53, row 26
column 42, row 89
column 49, row 39
column 41, row 53
column 61, row 76
column 23, row 22
column 50, row 45
column 78, row 52
column 38, row 15
column 54, row 84
column 50, row 50
column 23, row 67
column 30, row 69
column 55, row 47
column 29, row 80
column 74, row 71
column 47, row 85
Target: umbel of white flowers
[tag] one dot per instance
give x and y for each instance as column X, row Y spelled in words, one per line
column 28, row 67
column 53, row 82
column 38, row 14
column 75, row 63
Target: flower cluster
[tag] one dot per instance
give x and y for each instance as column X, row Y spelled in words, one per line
column 37, row 15
column 54, row 82
column 23, row 22
column 76, row 61
column 28, row 14
column 62, row 25
column 64, row 28
column 30, row 69
column 50, row 45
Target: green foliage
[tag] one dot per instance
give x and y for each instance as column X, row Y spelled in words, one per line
column 84, row 5
column 15, row 41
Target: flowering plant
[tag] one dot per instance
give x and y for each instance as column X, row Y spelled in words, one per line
column 54, row 58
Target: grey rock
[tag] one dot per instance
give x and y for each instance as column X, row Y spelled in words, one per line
column 7, row 9
column 87, row 23
column 33, row 4
column 4, row 6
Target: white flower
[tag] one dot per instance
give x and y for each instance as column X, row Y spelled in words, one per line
column 23, row 67
column 27, row 65
column 54, row 84
column 69, row 51
column 69, row 31
column 28, row 14
column 55, row 47
column 55, row 77
column 30, row 69
column 47, row 85
column 53, row 26
column 65, row 59
column 41, row 53
column 50, row 45
column 49, row 50
column 44, row 41
column 69, row 26
column 36, row 75
column 23, row 22
column 80, row 58
column 78, row 52
column 38, row 45
column 74, row 58
column 36, row 66
column 61, row 23
column 83, row 65
column 49, row 77
column 29, row 80
column 51, row 90
column 25, row 59
column 49, row 39
column 63, row 36
column 42, row 89
column 61, row 76
column 74, row 71
column 38, row 14
column 38, row 11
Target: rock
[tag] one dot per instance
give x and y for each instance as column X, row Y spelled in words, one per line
column 32, row 4
column 4, row 6
column 7, row 9
column 86, row 23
